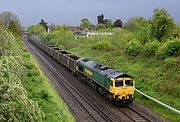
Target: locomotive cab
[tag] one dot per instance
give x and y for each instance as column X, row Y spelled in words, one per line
column 122, row 89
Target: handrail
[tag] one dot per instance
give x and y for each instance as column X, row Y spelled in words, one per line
column 157, row 101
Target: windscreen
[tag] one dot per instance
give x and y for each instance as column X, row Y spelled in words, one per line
column 118, row 83
column 128, row 82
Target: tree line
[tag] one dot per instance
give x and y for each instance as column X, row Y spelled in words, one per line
column 102, row 23
column 160, row 26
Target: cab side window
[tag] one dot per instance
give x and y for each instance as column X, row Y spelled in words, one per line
column 80, row 68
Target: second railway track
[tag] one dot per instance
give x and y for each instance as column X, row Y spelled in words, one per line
column 134, row 115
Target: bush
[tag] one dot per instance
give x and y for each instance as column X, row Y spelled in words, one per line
column 36, row 29
column 171, row 62
column 143, row 35
column 133, row 47
column 100, row 26
column 14, row 102
column 101, row 45
column 151, row 48
column 169, row 48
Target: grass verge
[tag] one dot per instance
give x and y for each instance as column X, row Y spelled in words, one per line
column 41, row 90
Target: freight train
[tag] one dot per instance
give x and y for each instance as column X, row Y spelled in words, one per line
column 114, row 85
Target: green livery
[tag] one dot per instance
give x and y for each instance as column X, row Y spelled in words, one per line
column 94, row 71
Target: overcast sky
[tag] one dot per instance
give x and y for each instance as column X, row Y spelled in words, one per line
column 72, row 11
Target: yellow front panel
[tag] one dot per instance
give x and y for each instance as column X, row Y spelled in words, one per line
column 123, row 91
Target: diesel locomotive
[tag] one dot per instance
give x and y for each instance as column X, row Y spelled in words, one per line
column 112, row 84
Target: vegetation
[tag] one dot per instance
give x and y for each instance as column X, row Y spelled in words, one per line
column 85, row 23
column 118, row 23
column 108, row 23
column 14, row 102
column 135, row 50
column 44, row 24
column 10, row 21
column 25, row 93
column 40, row 90
column 100, row 26
column 161, row 24
column 36, row 29
column 100, row 19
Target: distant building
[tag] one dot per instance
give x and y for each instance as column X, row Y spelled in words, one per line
column 80, row 29
column 76, row 28
column 90, row 34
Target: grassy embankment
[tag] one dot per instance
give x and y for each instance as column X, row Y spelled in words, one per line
column 156, row 72
column 40, row 89
column 25, row 93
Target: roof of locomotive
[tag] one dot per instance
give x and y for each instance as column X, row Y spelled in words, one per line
column 103, row 69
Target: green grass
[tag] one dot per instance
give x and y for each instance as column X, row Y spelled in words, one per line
column 150, row 74
column 41, row 90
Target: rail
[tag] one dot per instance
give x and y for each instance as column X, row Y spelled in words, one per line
column 157, row 101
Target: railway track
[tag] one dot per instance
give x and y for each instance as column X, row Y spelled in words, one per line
column 93, row 110
column 134, row 115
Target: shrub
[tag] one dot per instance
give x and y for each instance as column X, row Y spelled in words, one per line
column 14, row 102
column 36, row 29
column 100, row 26
column 101, row 45
column 171, row 62
column 133, row 47
column 143, row 35
column 169, row 48
column 150, row 48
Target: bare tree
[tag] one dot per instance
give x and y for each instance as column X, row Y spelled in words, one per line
column 11, row 22
column 8, row 17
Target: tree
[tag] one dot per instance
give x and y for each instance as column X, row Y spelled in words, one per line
column 140, row 27
column 100, row 26
column 108, row 23
column 100, row 19
column 36, row 29
column 11, row 21
column 161, row 24
column 135, row 23
column 2, row 25
column 176, row 31
column 44, row 24
column 85, row 23
column 118, row 23
column 8, row 17
column 13, row 27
